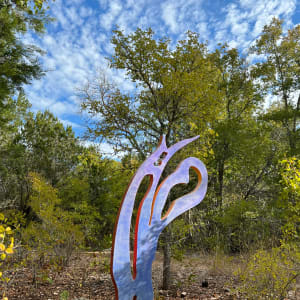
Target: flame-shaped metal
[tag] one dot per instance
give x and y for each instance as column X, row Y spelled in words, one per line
column 149, row 221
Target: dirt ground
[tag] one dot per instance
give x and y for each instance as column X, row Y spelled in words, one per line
column 88, row 277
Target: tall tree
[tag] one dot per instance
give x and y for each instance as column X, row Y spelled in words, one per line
column 52, row 150
column 238, row 132
column 12, row 153
column 174, row 86
column 41, row 144
column 93, row 191
column 280, row 72
column 19, row 62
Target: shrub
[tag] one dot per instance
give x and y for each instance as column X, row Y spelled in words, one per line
column 53, row 236
column 270, row 274
column 6, row 247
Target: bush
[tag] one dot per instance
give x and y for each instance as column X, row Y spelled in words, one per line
column 6, row 247
column 268, row 275
column 53, row 236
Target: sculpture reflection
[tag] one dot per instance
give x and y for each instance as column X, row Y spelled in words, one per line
column 149, row 221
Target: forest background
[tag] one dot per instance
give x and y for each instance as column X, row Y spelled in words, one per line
column 57, row 195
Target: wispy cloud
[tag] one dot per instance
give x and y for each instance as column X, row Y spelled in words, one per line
column 169, row 15
column 79, row 40
column 244, row 20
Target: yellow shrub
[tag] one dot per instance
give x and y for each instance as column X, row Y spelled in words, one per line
column 268, row 275
column 6, row 246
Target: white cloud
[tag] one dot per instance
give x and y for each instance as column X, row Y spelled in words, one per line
column 107, row 19
column 61, row 108
column 245, row 20
column 169, row 15
column 79, row 40
column 69, row 123
column 104, row 148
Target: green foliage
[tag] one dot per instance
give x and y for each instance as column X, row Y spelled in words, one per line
column 12, row 114
column 64, row 295
column 19, row 65
column 186, row 90
column 241, row 145
column 279, row 71
column 182, row 90
column 241, row 226
column 270, row 274
column 19, row 62
column 93, row 193
column 180, row 231
column 35, row 143
column 176, row 87
column 51, row 149
column 53, row 236
column 290, row 201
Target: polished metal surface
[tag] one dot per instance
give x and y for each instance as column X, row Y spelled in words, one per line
column 137, row 284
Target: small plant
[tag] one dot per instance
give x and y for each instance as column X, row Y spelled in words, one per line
column 6, row 247
column 192, row 278
column 105, row 265
column 64, row 295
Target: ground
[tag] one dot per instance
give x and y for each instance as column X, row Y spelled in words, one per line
column 87, row 277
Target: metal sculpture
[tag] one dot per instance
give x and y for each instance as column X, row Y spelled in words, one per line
column 137, row 284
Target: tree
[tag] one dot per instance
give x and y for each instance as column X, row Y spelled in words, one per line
column 240, row 155
column 279, row 71
column 12, row 114
column 240, row 98
column 12, row 153
column 19, row 62
column 40, row 144
column 51, row 149
column 93, row 191
column 174, row 87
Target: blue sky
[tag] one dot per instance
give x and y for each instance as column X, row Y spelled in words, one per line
column 77, row 43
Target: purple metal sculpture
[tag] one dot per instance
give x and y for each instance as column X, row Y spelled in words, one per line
column 149, row 221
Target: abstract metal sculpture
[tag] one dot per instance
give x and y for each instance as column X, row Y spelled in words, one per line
column 137, row 284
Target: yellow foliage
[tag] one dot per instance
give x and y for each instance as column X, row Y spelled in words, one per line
column 6, row 246
column 9, row 250
column 56, row 235
column 268, row 274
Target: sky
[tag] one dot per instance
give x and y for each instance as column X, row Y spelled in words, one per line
column 77, row 43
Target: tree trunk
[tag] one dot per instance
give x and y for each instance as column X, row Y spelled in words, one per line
column 220, row 184
column 167, row 259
